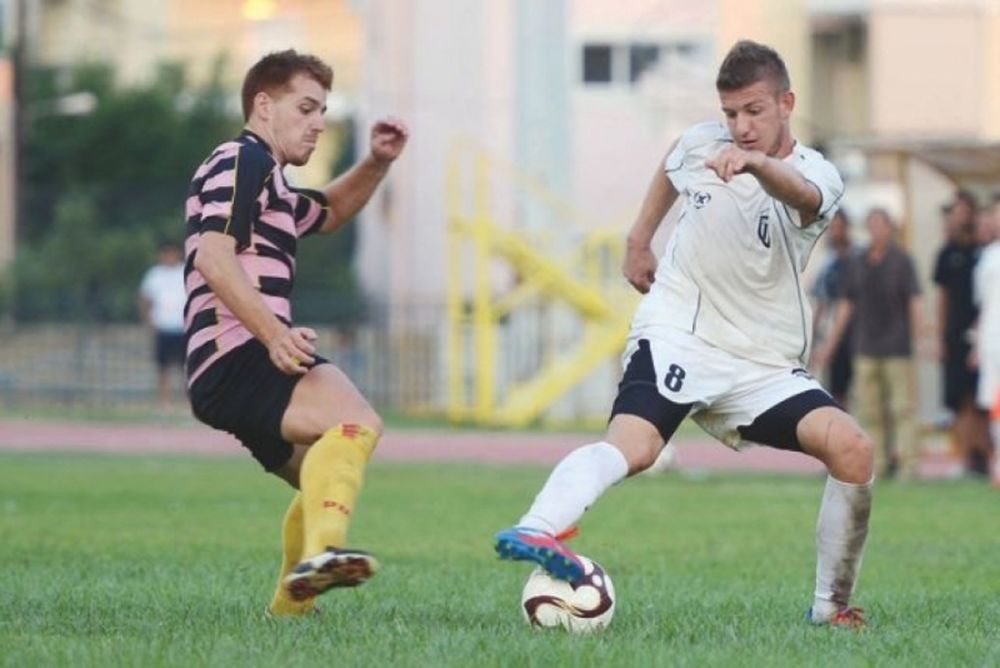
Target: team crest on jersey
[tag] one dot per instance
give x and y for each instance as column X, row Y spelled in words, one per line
column 764, row 229
column 700, row 199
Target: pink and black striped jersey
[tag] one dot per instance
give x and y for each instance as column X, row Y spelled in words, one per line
column 241, row 191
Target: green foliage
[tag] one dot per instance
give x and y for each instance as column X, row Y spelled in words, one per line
column 79, row 270
column 100, row 189
column 169, row 562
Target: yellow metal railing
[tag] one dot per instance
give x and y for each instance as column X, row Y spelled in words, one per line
column 586, row 279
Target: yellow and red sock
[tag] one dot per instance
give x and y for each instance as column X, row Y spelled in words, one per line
column 292, row 540
column 330, row 479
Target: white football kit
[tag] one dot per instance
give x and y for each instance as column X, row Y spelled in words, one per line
column 727, row 318
column 986, row 282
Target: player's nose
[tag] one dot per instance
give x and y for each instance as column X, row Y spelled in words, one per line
column 742, row 125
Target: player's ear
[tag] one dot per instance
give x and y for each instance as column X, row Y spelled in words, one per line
column 263, row 106
column 786, row 103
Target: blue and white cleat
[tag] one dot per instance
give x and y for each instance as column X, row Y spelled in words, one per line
column 546, row 550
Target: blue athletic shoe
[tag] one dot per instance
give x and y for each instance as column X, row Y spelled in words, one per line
column 546, row 550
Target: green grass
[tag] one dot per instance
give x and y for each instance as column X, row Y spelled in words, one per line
column 169, row 561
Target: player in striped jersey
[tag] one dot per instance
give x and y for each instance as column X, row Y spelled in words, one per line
column 251, row 370
column 723, row 332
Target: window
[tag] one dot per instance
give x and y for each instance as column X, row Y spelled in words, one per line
column 641, row 58
column 597, row 63
column 625, row 64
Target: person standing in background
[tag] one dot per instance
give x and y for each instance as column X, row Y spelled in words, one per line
column 161, row 304
column 828, row 288
column 883, row 296
column 956, row 314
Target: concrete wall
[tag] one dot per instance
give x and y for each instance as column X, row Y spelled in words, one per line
column 621, row 131
column 929, row 71
column 456, row 89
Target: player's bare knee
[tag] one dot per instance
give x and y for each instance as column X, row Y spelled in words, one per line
column 373, row 421
column 365, row 417
column 853, row 453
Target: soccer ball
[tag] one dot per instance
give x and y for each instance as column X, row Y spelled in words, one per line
column 584, row 606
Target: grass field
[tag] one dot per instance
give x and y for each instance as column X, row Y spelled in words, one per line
column 169, row 561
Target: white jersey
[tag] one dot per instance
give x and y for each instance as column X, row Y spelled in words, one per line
column 986, row 289
column 731, row 271
column 163, row 286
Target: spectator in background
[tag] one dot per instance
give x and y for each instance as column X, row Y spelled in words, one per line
column 956, row 314
column 987, row 224
column 986, row 286
column 882, row 293
column 161, row 303
column 828, row 288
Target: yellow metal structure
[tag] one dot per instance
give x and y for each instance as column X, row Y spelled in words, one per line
column 586, row 279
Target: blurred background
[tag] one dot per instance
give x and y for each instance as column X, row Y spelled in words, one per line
column 482, row 282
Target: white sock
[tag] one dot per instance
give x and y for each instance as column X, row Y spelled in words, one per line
column 840, row 544
column 574, row 484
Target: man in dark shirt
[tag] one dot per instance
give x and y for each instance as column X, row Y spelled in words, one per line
column 828, row 289
column 956, row 316
column 883, row 295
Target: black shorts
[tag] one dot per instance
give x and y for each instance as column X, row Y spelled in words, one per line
column 243, row 393
column 169, row 349
column 960, row 382
column 776, row 427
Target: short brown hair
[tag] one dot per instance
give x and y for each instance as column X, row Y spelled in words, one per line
column 276, row 69
column 749, row 62
column 883, row 213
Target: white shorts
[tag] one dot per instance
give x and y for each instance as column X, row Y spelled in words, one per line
column 724, row 392
column 988, row 390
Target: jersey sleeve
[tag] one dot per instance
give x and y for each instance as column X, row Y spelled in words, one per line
column 679, row 164
column 230, row 198
column 822, row 174
column 311, row 210
column 674, row 166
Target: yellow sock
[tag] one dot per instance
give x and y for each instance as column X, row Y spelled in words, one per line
column 291, row 543
column 330, row 480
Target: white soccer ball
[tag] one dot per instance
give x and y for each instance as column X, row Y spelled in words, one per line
column 584, row 606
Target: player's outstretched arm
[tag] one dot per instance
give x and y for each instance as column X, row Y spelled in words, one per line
column 348, row 193
column 778, row 178
column 639, row 266
column 289, row 347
